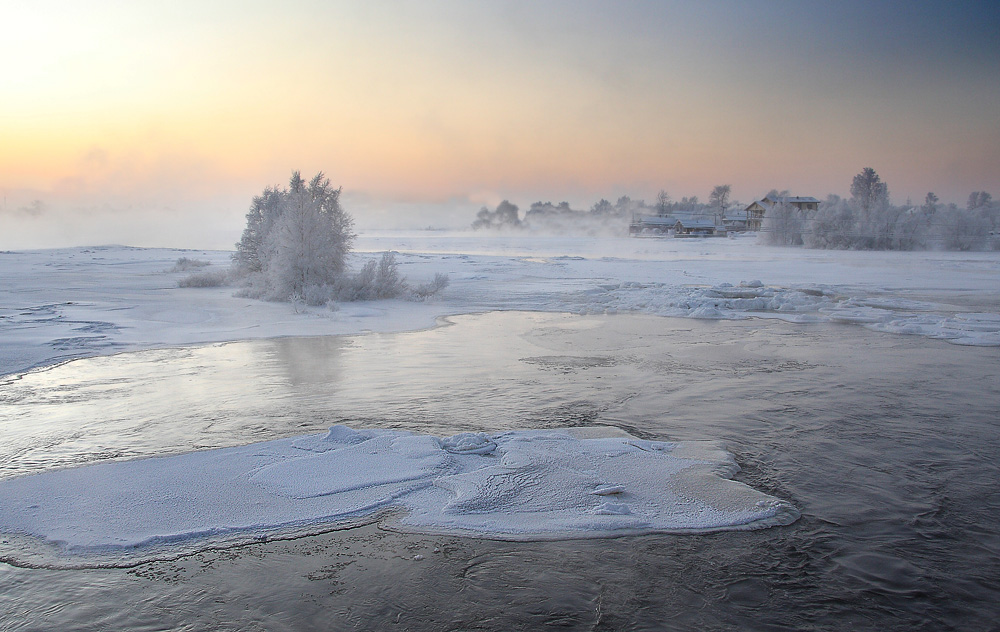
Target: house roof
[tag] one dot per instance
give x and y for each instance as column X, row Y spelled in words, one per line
column 791, row 199
column 696, row 223
column 657, row 220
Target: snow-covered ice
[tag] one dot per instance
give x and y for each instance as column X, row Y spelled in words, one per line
column 60, row 304
column 583, row 482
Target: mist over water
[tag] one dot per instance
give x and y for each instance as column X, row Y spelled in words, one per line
column 887, row 444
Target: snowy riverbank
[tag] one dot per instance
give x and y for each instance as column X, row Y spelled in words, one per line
column 66, row 303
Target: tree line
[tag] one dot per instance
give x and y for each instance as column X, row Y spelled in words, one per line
column 869, row 221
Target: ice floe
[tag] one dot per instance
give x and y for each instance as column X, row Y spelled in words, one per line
column 577, row 482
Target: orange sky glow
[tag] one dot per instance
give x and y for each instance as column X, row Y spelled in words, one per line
column 140, row 111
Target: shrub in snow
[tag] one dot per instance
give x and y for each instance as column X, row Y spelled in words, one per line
column 426, row 289
column 295, row 246
column 209, row 278
column 376, row 280
column 186, row 265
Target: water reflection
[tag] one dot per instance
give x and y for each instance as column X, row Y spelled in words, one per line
column 309, row 364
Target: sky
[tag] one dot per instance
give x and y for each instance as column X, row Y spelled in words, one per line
column 154, row 124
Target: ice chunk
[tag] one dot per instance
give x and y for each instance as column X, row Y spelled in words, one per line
column 608, row 490
column 544, row 484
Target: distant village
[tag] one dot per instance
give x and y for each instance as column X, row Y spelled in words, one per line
column 865, row 221
column 685, row 218
column 739, row 220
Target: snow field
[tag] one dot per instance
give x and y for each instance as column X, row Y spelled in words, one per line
column 61, row 304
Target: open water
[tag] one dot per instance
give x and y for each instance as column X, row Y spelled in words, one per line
column 889, row 445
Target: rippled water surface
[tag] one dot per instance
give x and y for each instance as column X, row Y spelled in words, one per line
column 888, row 444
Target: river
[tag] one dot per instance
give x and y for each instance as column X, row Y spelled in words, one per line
column 887, row 444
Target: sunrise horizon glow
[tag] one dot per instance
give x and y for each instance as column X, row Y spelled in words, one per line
column 153, row 125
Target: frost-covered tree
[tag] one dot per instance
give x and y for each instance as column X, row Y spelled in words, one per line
column 958, row 229
column 832, row 225
column 930, row 206
column 504, row 216
column 602, row 208
column 783, row 225
column 981, row 202
column 979, row 199
column 264, row 210
column 869, row 194
column 296, row 239
column 910, row 231
column 663, row 203
column 719, row 198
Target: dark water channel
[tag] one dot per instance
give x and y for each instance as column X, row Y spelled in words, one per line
column 888, row 444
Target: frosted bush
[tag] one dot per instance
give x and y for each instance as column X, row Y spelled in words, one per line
column 377, row 279
column 186, row 265
column 316, row 295
column 209, row 278
column 295, row 238
column 424, row 290
column 959, row 229
column 295, row 245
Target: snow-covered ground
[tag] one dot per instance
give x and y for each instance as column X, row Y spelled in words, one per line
column 60, row 304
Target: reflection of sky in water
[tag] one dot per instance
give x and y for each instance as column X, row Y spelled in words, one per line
column 493, row 371
column 486, row 372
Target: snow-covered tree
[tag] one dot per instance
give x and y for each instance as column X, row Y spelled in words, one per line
column 295, row 239
column 719, row 198
column 832, row 225
column 663, row 203
column 869, row 194
column 959, row 229
column 979, row 199
column 930, row 206
column 783, row 225
column 504, row 216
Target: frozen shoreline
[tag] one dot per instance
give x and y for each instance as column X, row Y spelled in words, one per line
column 61, row 304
